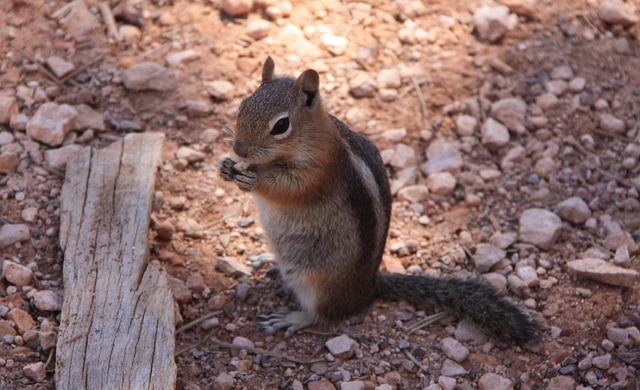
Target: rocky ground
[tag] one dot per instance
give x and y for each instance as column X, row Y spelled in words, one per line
column 510, row 133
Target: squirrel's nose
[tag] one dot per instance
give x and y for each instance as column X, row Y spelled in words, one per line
column 240, row 149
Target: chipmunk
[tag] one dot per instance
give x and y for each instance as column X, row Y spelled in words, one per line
column 323, row 197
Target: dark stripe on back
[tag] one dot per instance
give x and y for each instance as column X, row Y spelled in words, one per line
column 362, row 147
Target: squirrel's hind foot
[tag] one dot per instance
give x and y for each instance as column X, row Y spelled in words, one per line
column 292, row 321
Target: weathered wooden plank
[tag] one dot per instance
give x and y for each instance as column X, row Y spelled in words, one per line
column 117, row 323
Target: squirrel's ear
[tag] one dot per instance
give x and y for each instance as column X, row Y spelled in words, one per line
column 308, row 84
column 267, row 70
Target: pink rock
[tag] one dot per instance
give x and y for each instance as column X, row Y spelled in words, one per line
column 51, row 123
column 603, row 272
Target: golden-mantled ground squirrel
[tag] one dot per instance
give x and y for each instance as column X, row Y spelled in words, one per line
column 324, row 201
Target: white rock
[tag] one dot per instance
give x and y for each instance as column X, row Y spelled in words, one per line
column 467, row 331
column 441, row 183
column 444, row 383
column 496, row 280
column 352, row 385
column 511, row 113
column 16, row 274
column 574, row 210
column 602, row 362
column 394, row 135
column 189, row 154
column 243, row 342
column 556, row 87
column 490, row 381
column 539, row 227
column 545, row 166
column 494, row 134
column 47, row 340
column 389, row 78
column 617, row 12
column 449, row 160
column 51, row 123
column 35, row 371
column 388, row 94
column 210, row 135
column 224, row 381
column 466, row 125
column 487, row 256
column 547, row 101
column 621, row 45
column 521, row 7
column 8, row 108
column 259, row 28
column 561, row 73
column 12, row 233
column 78, row 22
column 88, row 118
column 414, row 194
column 503, row 240
column 454, row 350
column 236, row 7
column 58, row 158
column 148, row 76
column 335, row 44
column 491, row 22
column 59, row 66
column 451, row 368
column 528, row 275
column 611, row 123
column 622, row 257
column 490, row 174
column 601, row 105
column 603, row 271
column 342, row 347
column 220, row 89
column 197, row 108
column 47, row 300
column 17, row 122
column 577, row 84
column 403, row 178
column 178, row 58
column 129, row 33
column 403, row 157
column 9, row 162
column 232, row 267
column 30, row 214
column 362, row 85
column 618, row 336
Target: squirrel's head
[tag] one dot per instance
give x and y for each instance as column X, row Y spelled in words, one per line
column 279, row 118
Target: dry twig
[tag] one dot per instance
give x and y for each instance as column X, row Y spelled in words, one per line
column 198, row 321
column 415, row 361
column 258, row 351
column 81, row 68
column 423, row 107
column 42, row 68
column 610, row 134
column 109, row 20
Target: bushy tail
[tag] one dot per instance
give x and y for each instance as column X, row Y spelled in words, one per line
column 465, row 299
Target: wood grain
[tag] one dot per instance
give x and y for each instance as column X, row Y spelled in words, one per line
column 117, row 323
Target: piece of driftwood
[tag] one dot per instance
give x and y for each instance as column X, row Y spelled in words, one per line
column 117, row 328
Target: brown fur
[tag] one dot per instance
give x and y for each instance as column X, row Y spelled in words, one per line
column 325, row 204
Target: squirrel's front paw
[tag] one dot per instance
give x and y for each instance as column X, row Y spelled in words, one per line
column 238, row 173
column 226, row 169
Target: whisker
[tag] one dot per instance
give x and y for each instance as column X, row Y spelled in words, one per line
column 228, row 132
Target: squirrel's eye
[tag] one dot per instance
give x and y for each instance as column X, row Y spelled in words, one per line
column 281, row 126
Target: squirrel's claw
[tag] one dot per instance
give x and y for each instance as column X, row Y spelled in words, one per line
column 293, row 321
column 226, row 169
column 244, row 179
